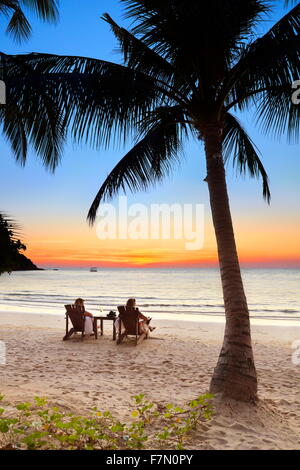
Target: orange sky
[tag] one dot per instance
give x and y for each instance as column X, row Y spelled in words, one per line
column 263, row 244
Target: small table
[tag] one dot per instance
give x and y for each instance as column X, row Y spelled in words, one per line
column 101, row 326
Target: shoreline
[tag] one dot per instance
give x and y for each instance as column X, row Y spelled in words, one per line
column 271, row 330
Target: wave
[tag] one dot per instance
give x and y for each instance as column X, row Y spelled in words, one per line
column 182, row 305
column 52, row 300
column 284, row 310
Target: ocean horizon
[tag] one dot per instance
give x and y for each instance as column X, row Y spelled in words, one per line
column 271, row 293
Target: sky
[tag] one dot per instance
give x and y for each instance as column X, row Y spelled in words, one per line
column 52, row 209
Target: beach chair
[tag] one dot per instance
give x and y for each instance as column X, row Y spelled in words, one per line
column 129, row 322
column 75, row 314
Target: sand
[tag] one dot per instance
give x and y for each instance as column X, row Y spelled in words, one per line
column 174, row 365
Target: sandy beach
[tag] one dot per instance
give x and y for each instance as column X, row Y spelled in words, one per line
column 174, row 365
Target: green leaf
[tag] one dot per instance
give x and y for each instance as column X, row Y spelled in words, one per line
column 23, row 406
column 4, row 426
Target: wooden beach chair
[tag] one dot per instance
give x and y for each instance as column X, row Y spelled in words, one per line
column 75, row 314
column 129, row 322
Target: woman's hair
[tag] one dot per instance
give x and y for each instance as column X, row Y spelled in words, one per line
column 79, row 301
column 130, row 304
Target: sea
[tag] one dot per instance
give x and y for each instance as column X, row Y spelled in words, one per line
column 271, row 293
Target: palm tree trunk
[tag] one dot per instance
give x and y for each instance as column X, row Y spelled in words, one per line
column 235, row 374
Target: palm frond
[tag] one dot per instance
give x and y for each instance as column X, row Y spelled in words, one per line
column 14, row 130
column 99, row 101
column 47, row 10
column 19, row 27
column 238, row 146
column 264, row 75
column 166, row 115
column 290, row 2
column 137, row 55
column 33, row 113
column 277, row 114
column 147, row 162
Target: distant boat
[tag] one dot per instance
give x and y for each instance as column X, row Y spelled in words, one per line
column 93, row 270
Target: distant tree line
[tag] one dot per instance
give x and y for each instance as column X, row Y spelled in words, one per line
column 10, row 247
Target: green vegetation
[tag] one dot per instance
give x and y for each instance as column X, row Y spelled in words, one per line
column 38, row 426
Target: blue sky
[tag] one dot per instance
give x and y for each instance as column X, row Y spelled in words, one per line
column 35, row 197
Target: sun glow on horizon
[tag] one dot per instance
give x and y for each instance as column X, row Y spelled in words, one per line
column 267, row 244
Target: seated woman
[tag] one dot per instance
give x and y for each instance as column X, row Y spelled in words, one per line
column 89, row 322
column 144, row 326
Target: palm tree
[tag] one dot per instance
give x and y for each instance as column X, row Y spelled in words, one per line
column 18, row 26
column 187, row 70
